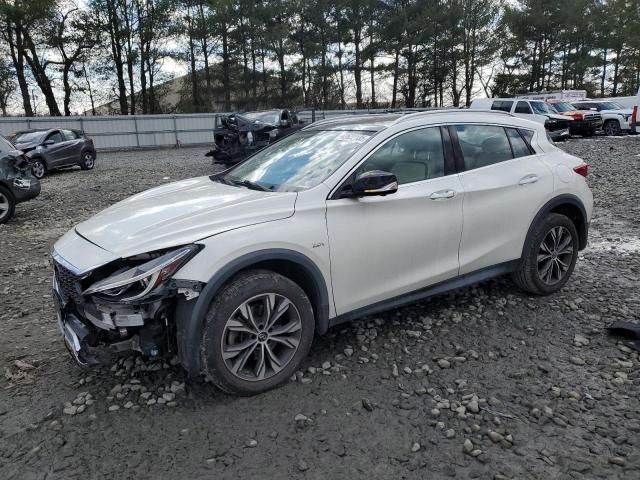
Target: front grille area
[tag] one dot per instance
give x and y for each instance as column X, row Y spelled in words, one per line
column 559, row 125
column 592, row 117
column 68, row 283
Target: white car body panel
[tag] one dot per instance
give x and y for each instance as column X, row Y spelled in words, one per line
column 500, row 203
column 181, row 212
column 382, row 247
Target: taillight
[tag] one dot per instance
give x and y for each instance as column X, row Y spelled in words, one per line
column 582, row 169
column 577, row 116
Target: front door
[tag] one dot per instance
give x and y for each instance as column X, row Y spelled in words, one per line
column 384, row 246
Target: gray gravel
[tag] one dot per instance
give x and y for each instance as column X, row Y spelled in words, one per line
column 485, row 382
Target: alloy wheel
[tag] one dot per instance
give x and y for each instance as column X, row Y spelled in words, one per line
column 4, row 206
column 38, row 169
column 87, row 160
column 555, row 255
column 261, row 337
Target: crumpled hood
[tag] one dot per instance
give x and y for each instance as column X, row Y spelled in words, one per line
column 557, row 116
column 26, row 146
column 180, row 213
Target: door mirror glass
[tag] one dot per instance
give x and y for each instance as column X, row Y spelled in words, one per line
column 49, row 141
column 374, row 182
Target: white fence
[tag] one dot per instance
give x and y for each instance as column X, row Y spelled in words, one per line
column 140, row 131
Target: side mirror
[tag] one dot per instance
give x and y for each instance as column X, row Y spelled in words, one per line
column 374, row 182
column 48, row 142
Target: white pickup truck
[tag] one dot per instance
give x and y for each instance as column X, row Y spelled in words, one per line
column 616, row 119
column 557, row 125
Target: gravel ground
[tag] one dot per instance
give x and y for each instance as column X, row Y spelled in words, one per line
column 485, row 382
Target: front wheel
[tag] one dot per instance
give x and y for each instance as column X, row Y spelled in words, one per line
column 549, row 256
column 87, row 160
column 7, row 205
column 38, row 168
column 257, row 332
column 611, row 128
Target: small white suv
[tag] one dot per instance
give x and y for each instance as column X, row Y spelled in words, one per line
column 236, row 272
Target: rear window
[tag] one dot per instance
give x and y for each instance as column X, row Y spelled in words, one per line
column 502, row 105
column 483, row 145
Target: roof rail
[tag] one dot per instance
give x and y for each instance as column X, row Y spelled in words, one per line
column 414, row 115
column 347, row 116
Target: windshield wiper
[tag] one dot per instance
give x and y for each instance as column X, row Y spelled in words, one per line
column 247, row 183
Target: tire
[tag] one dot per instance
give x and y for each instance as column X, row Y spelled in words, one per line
column 87, row 160
column 7, row 205
column 238, row 325
column 544, row 276
column 38, row 168
column 611, row 128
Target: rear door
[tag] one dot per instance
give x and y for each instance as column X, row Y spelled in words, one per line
column 72, row 147
column 505, row 183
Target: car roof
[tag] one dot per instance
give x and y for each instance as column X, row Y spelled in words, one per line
column 381, row 121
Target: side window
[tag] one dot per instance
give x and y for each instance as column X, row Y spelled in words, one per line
column 56, row 137
column 527, row 134
column 518, row 145
column 523, row 107
column 69, row 135
column 412, row 157
column 502, row 105
column 483, row 145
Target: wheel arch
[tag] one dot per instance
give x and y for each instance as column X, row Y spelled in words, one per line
column 568, row 205
column 190, row 315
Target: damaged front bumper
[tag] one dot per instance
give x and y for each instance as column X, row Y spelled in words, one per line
column 95, row 330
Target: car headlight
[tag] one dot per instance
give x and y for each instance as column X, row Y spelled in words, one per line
column 137, row 282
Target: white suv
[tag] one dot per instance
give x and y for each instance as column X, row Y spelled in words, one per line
column 235, row 272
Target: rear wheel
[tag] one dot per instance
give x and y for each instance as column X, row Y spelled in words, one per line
column 38, row 168
column 549, row 256
column 258, row 330
column 87, row 160
column 611, row 128
column 7, row 205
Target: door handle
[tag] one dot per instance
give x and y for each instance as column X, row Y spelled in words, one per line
column 443, row 194
column 532, row 178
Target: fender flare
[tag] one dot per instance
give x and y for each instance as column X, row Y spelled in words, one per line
column 564, row 199
column 191, row 315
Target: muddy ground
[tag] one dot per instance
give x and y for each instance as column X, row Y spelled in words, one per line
column 486, row 382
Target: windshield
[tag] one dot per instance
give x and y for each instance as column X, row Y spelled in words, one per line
column 5, row 145
column 28, row 137
column 610, row 106
column 563, row 107
column 297, row 162
column 541, row 107
column 266, row 117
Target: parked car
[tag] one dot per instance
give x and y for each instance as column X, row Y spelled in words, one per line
column 557, row 125
column 615, row 118
column 50, row 149
column 17, row 183
column 585, row 122
column 242, row 134
column 235, row 272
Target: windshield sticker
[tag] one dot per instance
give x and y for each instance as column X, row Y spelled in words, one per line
column 353, row 137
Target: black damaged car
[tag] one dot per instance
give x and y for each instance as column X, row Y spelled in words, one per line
column 239, row 135
column 17, row 183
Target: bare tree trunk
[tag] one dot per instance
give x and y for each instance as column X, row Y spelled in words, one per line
column 17, row 57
